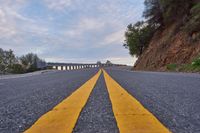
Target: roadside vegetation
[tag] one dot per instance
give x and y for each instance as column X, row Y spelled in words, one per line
column 194, row 66
column 138, row 37
column 9, row 63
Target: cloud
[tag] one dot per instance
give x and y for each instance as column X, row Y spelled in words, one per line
column 85, row 25
column 68, row 30
column 58, row 4
column 90, row 24
column 7, row 29
column 114, row 38
column 11, row 21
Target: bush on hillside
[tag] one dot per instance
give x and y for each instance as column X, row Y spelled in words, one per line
column 172, row 67
column 196, row 62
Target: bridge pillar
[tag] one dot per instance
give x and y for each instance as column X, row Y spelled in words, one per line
column 54, row 67
column 64, row 68
column 67, row 67
column 58, row 67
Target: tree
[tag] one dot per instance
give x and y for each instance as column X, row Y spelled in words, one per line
column 17, row 69
column 108, row 62
column 2, row 66
column 9, row 63
column 29, row 62
column 175, row 9
column 99, row 63
column 7, row 59
column 137, row 37
column 10, row 60
column 192, row 26
column 154, row 12
column 164, row 12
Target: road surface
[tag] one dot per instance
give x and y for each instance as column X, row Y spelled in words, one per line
column 172, row 98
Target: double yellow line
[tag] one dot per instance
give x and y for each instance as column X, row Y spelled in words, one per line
column 130, row 115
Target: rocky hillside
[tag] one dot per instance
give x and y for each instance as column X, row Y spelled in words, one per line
column 168, row 39
column 168, row 47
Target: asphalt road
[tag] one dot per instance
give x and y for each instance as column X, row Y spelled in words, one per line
column 172, row 97
column 97, row 116
column 23, row 100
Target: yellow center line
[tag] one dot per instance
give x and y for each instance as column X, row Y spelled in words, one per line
column 130, row 115
column 63, row 117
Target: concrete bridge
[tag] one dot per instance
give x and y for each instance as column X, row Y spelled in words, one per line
column 73, row 66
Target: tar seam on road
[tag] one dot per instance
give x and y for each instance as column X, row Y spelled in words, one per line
column 63, row 117
column 130, row 115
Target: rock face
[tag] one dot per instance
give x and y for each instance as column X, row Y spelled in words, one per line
column 171, row 46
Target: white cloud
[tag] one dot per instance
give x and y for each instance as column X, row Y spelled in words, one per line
column 116, row 37
column 82, row 25
column 58, row 4
column 7, row 27
column 9, row 17
column 85, row 25
column 90, row 24
column 16, row 30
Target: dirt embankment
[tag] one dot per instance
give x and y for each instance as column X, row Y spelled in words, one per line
column 170, row 46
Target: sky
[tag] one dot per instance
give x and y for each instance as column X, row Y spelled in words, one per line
column 78, row 31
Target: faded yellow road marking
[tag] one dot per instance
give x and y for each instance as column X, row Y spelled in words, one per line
column 130, row 115
column 63, row 117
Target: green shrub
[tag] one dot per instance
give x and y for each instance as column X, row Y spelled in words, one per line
column 189, row 68
column 193, row 67
column 172, row 67
column 196, row 62
column 17, row 69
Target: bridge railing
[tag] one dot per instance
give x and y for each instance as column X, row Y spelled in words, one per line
column 70, row 66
